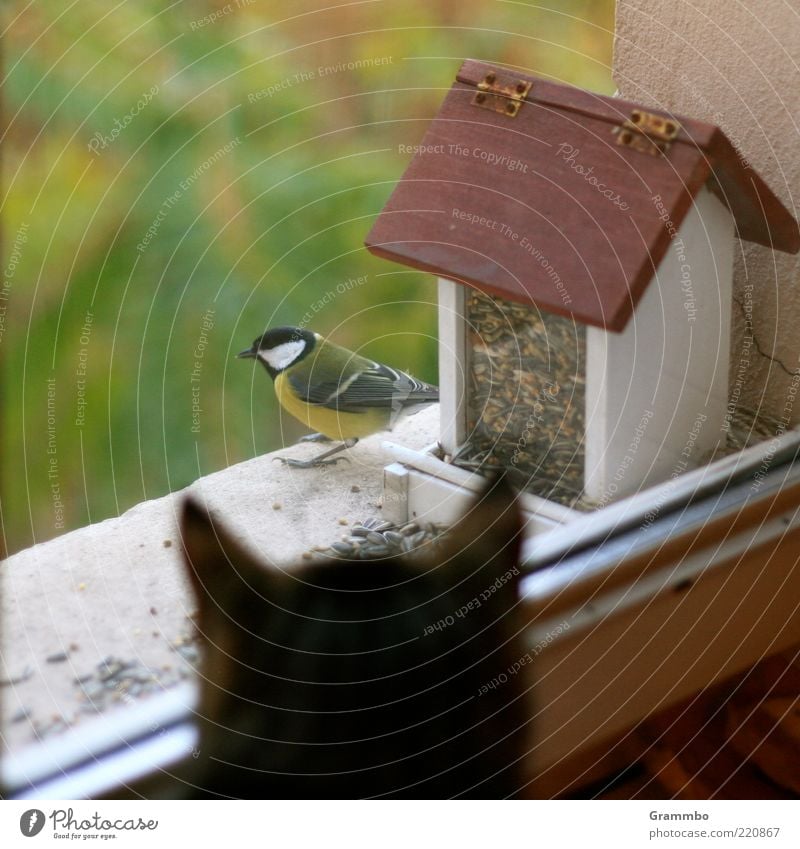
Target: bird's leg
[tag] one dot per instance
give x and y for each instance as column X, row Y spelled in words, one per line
column 322, row 459
column 314, row 437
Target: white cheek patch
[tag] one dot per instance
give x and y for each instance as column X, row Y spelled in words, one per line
column 283, row 355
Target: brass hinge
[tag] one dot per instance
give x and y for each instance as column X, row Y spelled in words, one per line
column 647, row 133
column 499, row 97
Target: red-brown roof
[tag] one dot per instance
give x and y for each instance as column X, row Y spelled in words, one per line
column 547, row 207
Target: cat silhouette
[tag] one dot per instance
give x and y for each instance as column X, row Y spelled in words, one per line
column 354, row 679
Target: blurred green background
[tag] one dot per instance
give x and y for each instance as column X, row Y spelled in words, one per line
column 177, row 178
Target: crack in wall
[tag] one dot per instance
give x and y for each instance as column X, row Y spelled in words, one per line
column 749, row 325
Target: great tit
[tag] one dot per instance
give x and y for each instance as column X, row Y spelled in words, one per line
column 334, row 391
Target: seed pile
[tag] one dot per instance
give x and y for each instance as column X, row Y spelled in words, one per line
column 526, row 403
column 374, row 539
column 115, row 681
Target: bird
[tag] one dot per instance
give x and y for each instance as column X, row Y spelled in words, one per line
column 336, row 392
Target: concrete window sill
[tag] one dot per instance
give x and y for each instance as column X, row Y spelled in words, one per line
column 117, row 589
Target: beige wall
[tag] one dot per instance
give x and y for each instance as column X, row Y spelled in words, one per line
column 735, row 63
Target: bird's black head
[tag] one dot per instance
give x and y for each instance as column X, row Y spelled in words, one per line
column 281, row 347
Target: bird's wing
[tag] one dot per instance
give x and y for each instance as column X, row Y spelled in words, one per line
column 369, row 385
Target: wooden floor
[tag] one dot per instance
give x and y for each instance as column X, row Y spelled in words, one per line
column 740, row 740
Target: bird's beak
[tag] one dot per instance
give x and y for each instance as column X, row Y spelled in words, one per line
column 244, row 354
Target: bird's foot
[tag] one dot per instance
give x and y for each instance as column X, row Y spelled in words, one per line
column 314, row 437
column 320, row 460
column 314, row 462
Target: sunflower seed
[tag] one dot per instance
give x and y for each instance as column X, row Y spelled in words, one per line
column 17, row 679
column 58, row 657
column 418, row 538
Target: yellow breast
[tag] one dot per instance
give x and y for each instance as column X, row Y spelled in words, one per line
column 333, row 424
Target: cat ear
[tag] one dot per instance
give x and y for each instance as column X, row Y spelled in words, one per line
column 487, row 540
column 215, row 562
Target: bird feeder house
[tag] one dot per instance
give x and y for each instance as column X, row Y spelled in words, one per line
column 584, row 247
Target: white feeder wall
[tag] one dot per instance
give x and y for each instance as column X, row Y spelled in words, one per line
column 656, row 394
